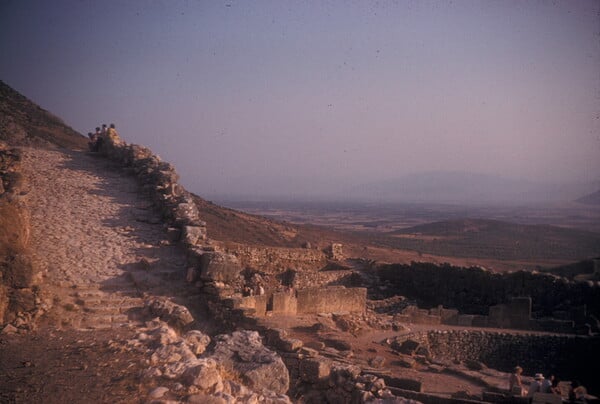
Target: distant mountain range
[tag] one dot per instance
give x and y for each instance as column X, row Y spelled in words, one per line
column 590, row 199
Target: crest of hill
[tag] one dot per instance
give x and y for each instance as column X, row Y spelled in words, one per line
column 590, row 199
column 24, row 123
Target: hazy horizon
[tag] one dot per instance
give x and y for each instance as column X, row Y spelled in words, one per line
column 305, row 99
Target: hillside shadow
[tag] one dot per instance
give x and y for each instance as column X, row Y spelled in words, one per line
column 156, row 266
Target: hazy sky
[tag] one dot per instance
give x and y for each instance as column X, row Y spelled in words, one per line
column 280, row 95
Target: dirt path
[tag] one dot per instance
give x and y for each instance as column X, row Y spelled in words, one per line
column 92, row 233
column 102, row 249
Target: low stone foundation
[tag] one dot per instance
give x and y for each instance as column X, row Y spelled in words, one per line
column 279, row 259
column 305, row 301
column 518, row 300
column 567, row 357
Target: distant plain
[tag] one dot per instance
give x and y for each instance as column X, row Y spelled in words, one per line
column 501, row 236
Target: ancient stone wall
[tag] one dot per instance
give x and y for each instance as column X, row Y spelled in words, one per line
column 329, row 300
column 320, row 380
column 279, row 259
column 474, row 290
column 305, row 301
column 218, row 274
column 567, row 357
column 19, row 301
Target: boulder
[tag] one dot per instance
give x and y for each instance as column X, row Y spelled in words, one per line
column 258, row 367
column 289, row 344
column 158, row 392
column 206, row 399
column 377, row 362
column 197, row 341
column 204, row 376
column 172, row 354
column 172, row 313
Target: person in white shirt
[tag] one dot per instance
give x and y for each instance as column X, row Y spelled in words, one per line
column 536, row 385
column 547, row 385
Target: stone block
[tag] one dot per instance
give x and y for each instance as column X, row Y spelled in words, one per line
column 192, row 235
column 424, row 318
column 284, row 303
column 289, row 344
column 330, row 300
column 186, row 214
column 315, row 370
column 465, row 320
column 498, row 316
column 221, row 267
column 449, row 316
column 258, row 304
column 519, row 312
column 480, row 321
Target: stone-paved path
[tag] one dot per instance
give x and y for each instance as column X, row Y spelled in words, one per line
column 97, row 239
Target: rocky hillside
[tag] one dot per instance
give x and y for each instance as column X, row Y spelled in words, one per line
column 23, row 123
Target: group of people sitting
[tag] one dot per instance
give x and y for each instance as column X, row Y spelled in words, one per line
column 540, row 384
column 97, row 138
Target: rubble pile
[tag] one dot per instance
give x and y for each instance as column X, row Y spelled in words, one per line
column 236, row 368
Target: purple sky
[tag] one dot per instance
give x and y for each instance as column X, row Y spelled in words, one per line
column 276, row 96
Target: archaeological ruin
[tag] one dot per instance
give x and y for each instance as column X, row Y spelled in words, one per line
column 340, row 329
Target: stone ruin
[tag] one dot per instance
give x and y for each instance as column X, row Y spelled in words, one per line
column 219, row 274
column 516, row 315
column 19, row 279
column 304, row 301
column 479, row 298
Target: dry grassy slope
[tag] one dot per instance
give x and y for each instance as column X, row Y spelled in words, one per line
column 226, row 224
column 23, row 123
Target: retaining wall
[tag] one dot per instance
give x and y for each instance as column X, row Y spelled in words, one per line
column 567, row 357
column 305, row 301
column 474, row 290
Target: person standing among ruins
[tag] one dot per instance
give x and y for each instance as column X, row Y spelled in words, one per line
column 515, row 384
column 536, row 385
column 577, row 392
column 112, row 134
column 547, row 384
column 92, row 142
